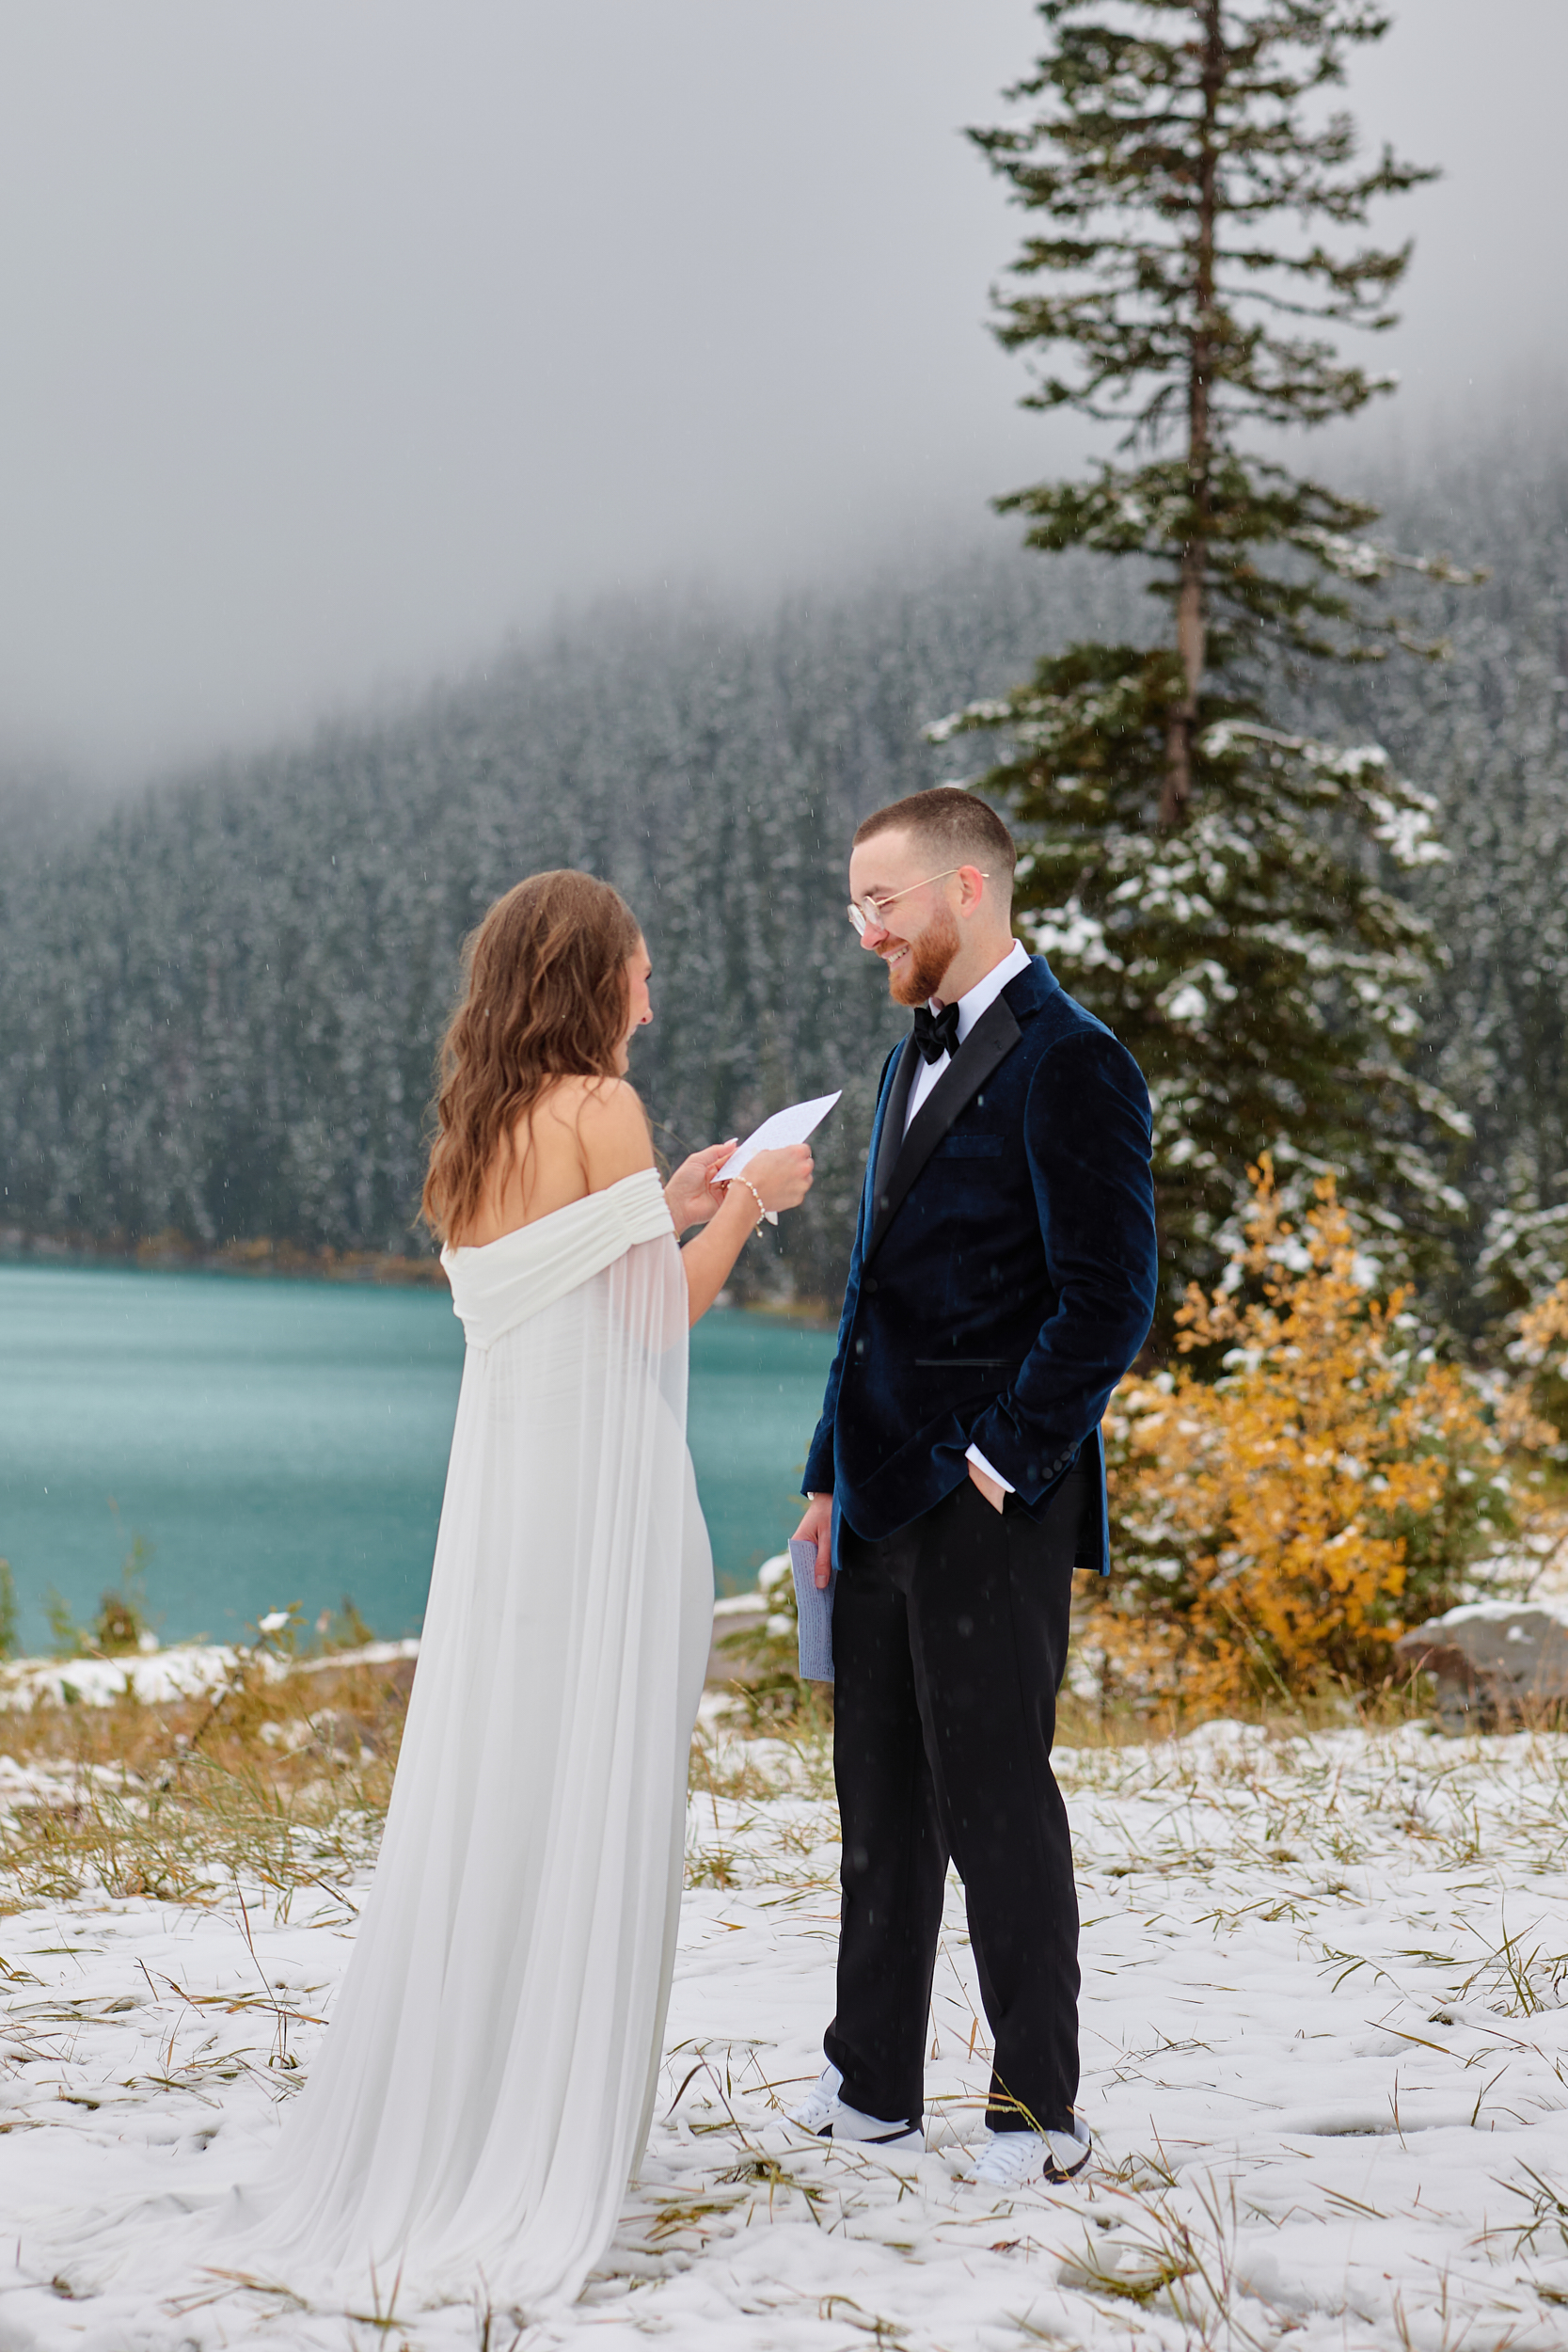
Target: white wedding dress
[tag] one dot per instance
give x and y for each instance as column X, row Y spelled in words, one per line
column 484, row 2087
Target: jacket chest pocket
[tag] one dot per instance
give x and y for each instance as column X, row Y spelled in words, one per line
column 961, row 1147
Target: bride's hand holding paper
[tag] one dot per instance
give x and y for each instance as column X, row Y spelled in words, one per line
column 782, row 1129
column 775, row 1180
column 690, row 1193
column 697, row 1188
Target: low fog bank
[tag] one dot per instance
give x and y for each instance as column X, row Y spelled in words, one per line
column 1449, row 477
column 45, row 809
column 976, row 564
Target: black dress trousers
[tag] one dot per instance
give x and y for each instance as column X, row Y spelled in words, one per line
column 950, row 1641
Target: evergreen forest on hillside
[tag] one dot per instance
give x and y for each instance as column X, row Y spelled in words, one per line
column 219, row 1003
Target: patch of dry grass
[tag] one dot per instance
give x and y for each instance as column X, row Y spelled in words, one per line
column 284, row 1782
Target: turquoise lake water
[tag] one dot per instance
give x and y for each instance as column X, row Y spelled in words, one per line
column 275, row 1441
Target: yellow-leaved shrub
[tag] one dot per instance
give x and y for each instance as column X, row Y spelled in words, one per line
column 1277, row 1528
column 1539, row 1350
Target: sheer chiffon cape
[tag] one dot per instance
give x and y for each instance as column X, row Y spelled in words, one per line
column 485, row 2088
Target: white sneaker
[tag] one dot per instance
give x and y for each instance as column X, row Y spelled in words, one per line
column 814, row 2113
column 1020, row 2159
column 826, row 2116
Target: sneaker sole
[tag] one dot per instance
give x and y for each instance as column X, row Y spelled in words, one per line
column 897, row 2136
column 882, row 2140
column 1050, row 2176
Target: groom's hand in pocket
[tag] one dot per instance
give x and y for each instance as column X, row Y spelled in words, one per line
column 991, row 1489
column 817, row 1528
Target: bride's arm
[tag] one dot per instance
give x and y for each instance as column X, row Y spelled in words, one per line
column 613, row 1130
column 778, row 1180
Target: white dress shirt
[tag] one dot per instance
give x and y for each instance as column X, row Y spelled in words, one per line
column 970, row 1006
column 980, row 999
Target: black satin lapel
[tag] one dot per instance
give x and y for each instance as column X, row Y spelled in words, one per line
column 890, row 1142
column 989, row 1041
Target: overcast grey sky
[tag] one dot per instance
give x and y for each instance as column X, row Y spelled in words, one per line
column 342, row 336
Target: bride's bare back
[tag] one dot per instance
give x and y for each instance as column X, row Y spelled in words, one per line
column 581, row 1135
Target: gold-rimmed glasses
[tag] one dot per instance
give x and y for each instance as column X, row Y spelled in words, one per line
column 868, row 910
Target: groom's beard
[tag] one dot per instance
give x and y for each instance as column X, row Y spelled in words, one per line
column 919, row 973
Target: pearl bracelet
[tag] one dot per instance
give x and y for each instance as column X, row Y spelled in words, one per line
column 762, row 1213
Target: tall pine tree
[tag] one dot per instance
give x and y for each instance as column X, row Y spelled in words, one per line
column 1209, row 880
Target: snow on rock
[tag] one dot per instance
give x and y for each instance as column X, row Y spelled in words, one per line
column 154, row 1677
column 1499, row 1612
column 1493, row 1660
column 1325, row 2036
column 189, row 1670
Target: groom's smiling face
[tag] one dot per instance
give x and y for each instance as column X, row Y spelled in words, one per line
column 921, row 936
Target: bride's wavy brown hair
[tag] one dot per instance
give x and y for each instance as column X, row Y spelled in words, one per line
column 545, row 997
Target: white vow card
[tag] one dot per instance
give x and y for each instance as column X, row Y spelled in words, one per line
column 788, row 1126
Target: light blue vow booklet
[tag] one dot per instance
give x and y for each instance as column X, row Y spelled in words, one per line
column 816, row 1613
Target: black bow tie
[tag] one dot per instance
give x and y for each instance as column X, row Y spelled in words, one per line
column 936, row 1033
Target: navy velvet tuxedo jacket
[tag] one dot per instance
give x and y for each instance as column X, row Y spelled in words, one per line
column 1003, row 1269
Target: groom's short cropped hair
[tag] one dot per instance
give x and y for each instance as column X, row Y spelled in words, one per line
column 957, row 829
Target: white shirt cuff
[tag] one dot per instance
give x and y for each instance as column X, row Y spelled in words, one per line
column 980, row 1463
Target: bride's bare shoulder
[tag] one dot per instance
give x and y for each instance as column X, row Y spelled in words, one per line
column 610, row 1126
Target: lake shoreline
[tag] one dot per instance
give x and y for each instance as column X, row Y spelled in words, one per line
column 176, row 1253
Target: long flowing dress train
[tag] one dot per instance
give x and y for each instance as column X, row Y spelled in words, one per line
column 485, row 2085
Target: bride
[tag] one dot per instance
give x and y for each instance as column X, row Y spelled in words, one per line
column 485, row 2088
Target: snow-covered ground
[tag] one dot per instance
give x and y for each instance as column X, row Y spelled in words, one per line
column 1325, row 2035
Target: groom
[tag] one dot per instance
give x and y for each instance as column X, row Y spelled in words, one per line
column 1001, row 1281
